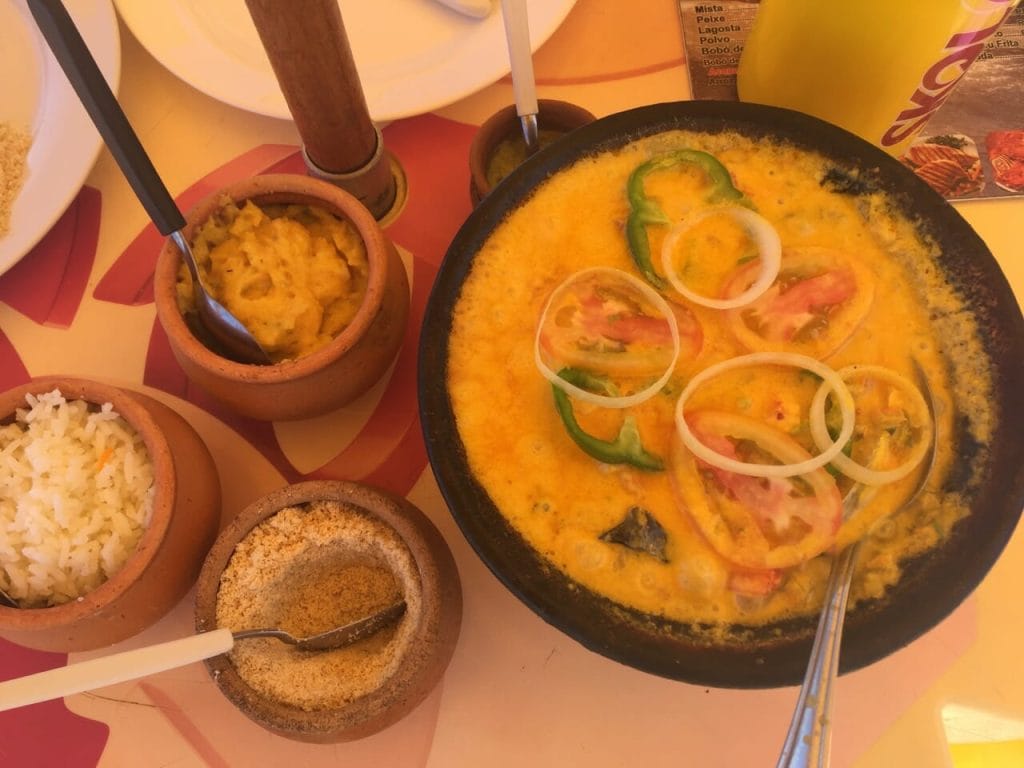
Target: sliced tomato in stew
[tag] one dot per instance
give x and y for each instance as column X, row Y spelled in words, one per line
column 817, row 301
column 744, row 581
column 756, row 523
column 606, row 325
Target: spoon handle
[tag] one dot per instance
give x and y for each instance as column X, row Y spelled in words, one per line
column 517, row 34
column 117, row 668
column 809, row 739
column 85, row 77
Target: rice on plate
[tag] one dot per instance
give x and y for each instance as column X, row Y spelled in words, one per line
column 76, row 494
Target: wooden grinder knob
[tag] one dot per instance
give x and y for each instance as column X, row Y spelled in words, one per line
column 309, row 51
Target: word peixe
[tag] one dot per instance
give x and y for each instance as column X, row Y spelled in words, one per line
column 937, row 83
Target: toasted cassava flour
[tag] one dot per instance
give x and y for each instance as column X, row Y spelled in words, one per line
column 308, row 569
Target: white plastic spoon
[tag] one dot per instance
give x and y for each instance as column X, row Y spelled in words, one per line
column 140, row 662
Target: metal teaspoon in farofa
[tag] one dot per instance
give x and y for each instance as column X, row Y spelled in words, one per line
column 140, row 662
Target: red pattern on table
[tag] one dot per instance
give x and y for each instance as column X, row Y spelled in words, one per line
column 48, row 284
column 388, row 451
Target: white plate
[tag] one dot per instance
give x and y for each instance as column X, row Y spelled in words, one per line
column 38, row 97
column 412, row 55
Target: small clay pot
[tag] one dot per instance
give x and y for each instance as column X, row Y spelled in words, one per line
column 426, row 656
column 167, row 559
column 326, row 379
column 552, row 114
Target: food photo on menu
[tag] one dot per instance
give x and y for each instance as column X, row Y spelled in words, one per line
column 973, row 146
column 970, row 147
column 559, row 390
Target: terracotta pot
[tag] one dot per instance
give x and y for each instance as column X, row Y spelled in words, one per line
column 326, row 379
column 552, row 114
column 184, row 523
column 426, row 656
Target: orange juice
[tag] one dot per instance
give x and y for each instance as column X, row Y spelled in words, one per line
column 878, row 68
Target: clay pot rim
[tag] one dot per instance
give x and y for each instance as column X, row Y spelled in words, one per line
column 275, row 188
column 551, row 113
column 165, row 482
column 394, row 691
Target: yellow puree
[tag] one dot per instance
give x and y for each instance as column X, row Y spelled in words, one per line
column 511, row 152
column 294, row 275
column 561, row 500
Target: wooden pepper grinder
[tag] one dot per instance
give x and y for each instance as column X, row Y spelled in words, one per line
column 309, row 51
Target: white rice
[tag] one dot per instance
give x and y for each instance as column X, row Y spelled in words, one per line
column 76, row 493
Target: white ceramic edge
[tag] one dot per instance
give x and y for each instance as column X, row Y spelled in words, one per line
column 160, row 29
column 65, row 143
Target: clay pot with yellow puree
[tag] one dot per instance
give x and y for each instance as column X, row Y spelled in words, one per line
column 306, row 267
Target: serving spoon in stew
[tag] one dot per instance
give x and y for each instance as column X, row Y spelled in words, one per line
column 85, row 77
column 140, row 662
column 809, row 739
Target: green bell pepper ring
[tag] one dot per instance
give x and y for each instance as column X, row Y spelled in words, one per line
column 625, row 448
column 643, row 211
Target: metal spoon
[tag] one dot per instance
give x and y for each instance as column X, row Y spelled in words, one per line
column 7, row 600
column 85, row 77
column 517, row 35
column 809, row 739
column 332, row 638
column 140, row 662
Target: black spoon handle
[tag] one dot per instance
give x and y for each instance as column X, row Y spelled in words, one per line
column 85, row 77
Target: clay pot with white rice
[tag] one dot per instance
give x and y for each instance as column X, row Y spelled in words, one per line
column 100, row 533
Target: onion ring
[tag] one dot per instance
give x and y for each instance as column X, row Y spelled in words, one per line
column 716, row 459
column 606, row 401
column 769, row 248
column 844, row 463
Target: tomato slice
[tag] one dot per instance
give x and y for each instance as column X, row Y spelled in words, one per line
column 817, row 301
column 603, row 323
column 756, row 523
column 753, row 583
column 691, row 334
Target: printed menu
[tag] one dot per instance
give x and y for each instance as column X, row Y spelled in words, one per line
column 971, row 148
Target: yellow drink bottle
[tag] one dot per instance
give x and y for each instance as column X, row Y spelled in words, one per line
column 878, row 68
